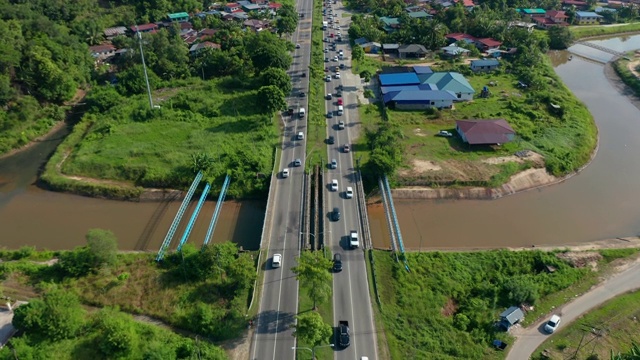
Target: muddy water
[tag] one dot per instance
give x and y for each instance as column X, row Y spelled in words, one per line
column 601, row 202
column 32, row 216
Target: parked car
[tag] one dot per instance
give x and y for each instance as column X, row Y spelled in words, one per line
column 300, row 135
column 337, row 262
column 445, row 133
column 334, row 185
column 327, row 78
column 552, row 324
column 338, row 75
column 302, row 94
column 326, row 59
column 335, row 214
column 335, row 58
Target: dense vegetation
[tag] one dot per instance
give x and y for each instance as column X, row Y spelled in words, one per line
column 630, row 79
column 447, row 305
column 205, row 292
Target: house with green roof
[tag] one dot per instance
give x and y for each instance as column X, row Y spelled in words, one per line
column 532, row 12
column 178, row 17
column 420, row 15
column 450, row 81
column 390, row 24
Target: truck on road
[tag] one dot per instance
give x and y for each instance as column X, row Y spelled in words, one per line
column 354, row 242
column 343, row 333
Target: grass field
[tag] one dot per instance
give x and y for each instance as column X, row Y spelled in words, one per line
column 580, row 32
column 446, row 307
column 616, row 327
column 565, row 138
column 156, row 149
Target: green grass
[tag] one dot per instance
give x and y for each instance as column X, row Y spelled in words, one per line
column 305, row 303
column 565, row 140
column 447, row 305
column 622, row 69
column 617, row 319
column 155, row 149
column 367, row 63
column 580, row 32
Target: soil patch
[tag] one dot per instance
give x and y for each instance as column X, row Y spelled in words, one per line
column 449, row 309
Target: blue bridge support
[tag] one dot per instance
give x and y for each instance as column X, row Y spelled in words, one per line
column 194, row 216
column 394, row 218
column 176, row 220
column 216, row 213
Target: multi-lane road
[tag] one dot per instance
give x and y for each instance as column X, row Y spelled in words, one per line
column 351, row 301
column 279, row 302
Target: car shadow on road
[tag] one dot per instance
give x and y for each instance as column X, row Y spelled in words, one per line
column 272, row 321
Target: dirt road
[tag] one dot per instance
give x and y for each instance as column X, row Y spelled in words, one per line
column 530, row 338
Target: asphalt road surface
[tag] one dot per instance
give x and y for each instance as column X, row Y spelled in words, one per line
column 273, row 338
column 529, row 339
column 351, row 300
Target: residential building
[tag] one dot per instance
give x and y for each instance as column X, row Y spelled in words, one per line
column 399, row 79
column 102, row 52
column 485, row 65
column 420, row 15
column 486, row 132
column 455, row 37
column 579, row 4
column 371, row 47
column 412, row 51
column 419, row 100
column 587, row 17
column 452, row 51
column 487, row 44
column 254, row 24
column 450, row 81
column 178, row 17
column 390, row 24
column 113, row 32
column 532, row 12
column 144, row 28
column 390, row 48
column 510, row 317
column 232, row 7
column 196, row 48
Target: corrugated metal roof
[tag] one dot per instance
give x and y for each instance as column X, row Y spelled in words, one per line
column 399, row 79
column 485, row 62
column 452, row 81
column 478, row 132
column 422, row 69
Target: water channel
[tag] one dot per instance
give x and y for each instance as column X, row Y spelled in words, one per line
column 601, row 202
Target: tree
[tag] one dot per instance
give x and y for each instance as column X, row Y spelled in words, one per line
column 57, row 316
column 357, row 53
column 273, row 99
column 117, row 335
column 131, row 81
column 45, row 77
column 366, row 75
column 287, row 20
column 312, row 330
column 102, row 98
column 103, row 247
column 313, row 270
column 559, row 37
column 522, row 289
column 278, row 78
column 267, row 50
column 242, row 272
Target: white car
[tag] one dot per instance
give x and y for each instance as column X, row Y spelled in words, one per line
column 285, row 173
column 349, row 192
column 552, row 324
column 338, row 75
column 335, row 58
column 327, row 78
column 276, row 262
column 334, row 185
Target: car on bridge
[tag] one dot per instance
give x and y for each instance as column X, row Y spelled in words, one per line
column 349, row 193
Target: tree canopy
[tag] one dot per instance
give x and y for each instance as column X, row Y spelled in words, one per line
column 313, row 270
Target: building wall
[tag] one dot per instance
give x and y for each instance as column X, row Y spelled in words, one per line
column 588, row 20
column 424, row 105
column 484, row 68
column 465, row 96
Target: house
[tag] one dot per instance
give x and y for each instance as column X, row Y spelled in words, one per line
column 522, row 25
column 600, row 9
column 371, row 47
column 422, row 69
column 412, row 51
column 455, row 37
column 196, row 48
column 468, row 4
column 452, row 51
column 274, row 6
column 510, row 317
column 487, row 44
column 532, row 12
column 399, row 79
column 587, row 17
column 251, row 7
column 145, row 28
column 254, row 24
column 418, row 99
column 484, row 65
column 489, row 132
column 450, row 81
column 390, row 48
column 113, row 32
column 556, row 16
column 232, row 7
column 178, row 17
column 102, row 52
column 390, row 24
column 577, row 3
column 420, row 15
column 206, row 33
column 360, row 41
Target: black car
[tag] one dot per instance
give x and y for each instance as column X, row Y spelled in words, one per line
column 302, row 94
column 337, row 262
column 335, row 214
column 331, row 140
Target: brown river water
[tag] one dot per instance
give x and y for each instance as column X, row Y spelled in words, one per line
column 601, row 202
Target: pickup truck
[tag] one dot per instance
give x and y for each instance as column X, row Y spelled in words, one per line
column 343, row 332
column 353, row 239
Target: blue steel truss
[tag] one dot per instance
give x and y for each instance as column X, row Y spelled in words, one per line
column 214, row 218
column 176, row 220
column 394, row 218
column 194, row 216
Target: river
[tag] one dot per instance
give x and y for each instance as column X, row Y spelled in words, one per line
column 601, row 202
column 49, row 220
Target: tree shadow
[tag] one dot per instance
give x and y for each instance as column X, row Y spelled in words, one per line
column 241, row 125
column 237, row 105
column 273, row 322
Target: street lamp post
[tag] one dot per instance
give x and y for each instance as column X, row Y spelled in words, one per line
column 313, row 349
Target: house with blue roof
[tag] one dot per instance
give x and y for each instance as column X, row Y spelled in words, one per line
column 484, row 65
column 450, row 81
column 419, row 100
column 587, row 17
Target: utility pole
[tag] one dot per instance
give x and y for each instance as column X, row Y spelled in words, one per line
column 144, row 67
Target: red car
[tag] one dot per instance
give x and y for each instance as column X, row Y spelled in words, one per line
column 340, row 101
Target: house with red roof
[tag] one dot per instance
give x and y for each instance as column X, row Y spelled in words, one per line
column 485, row 132
column 232, row 7
column 552, row 18
column 275, row 6
column 455, row 37
column 487, row 44
column 206, row 33
column 196, row 48
column 580, row 5
column 144, row 28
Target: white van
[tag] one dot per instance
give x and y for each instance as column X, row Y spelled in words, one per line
column 340, row 110
column 301, row 112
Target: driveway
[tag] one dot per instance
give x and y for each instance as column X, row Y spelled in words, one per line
column 530, row 338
